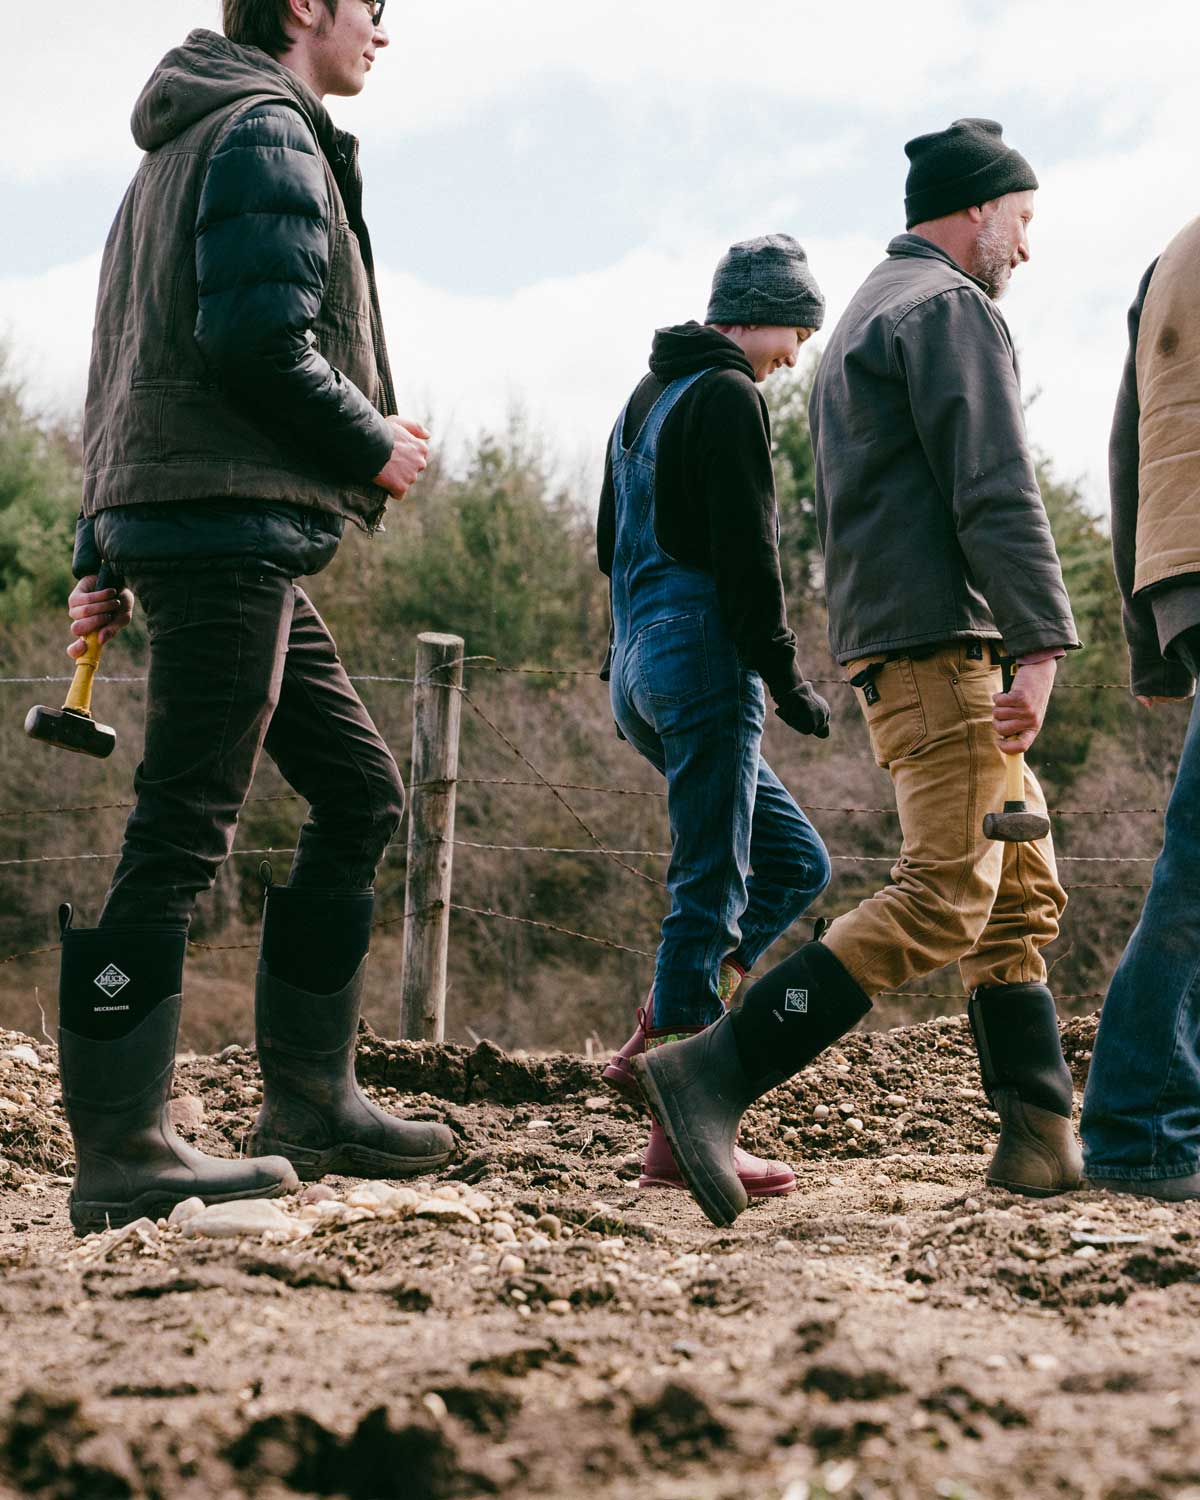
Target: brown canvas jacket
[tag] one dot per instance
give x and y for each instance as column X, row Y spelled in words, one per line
column 1168, row 385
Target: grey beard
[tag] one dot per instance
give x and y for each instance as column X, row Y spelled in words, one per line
column 992, row 257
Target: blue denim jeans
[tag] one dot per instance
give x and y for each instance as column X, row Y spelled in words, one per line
column 684, row 701
column 1141, row 1109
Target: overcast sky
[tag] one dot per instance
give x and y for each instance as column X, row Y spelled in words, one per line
column 549, row 180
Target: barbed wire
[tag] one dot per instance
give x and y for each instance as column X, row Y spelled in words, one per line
column 586, row 937
column 565, row 786
column 485, row 664
column 78, row 807
column 480, row 665
column 869, row 859
column 951, row 995
column 544, row 783
column 416, row 911
column 524, row 759
column 141, row 677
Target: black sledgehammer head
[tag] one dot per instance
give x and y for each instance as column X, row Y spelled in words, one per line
column 1015, row 825
column 67, row 729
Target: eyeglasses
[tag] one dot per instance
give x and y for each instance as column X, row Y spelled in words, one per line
column 376, row 10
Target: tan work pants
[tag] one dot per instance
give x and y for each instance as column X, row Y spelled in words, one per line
column 953, row 893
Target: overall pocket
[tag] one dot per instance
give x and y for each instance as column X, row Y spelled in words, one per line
column 892, row 707
column 673, row 660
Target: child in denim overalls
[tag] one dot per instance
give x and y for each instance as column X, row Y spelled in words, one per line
column 688, row 534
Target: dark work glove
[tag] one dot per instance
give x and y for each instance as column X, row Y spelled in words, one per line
column 804, row 710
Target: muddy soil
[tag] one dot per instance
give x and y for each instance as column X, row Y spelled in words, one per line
column 532, row 1324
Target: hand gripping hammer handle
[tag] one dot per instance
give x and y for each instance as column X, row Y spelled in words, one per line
column 1016, row 824
column 72, row 726
column 79, row 694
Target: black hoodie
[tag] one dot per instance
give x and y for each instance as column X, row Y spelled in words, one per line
column 714, row 494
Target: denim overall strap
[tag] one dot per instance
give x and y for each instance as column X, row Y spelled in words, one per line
column 636, row 553
column 645, row 442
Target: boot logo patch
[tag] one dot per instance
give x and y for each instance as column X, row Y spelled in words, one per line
column 111, row 981
column 796, row 1001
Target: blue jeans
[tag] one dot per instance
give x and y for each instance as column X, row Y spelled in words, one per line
column 1141, row 1110
column 685, row 702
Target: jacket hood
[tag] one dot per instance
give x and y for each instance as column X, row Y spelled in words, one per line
column 209, row 73
column 689, row 347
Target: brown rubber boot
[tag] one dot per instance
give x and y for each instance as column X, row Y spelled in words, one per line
column 1028, row 1084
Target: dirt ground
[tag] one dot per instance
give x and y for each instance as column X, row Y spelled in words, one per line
column 532, row 1324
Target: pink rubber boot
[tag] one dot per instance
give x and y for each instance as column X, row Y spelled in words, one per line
column 760, row 1178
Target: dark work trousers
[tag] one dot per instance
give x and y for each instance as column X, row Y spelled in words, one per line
column 240, row 662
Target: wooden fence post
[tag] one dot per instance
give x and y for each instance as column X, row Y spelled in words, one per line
column 437, row 713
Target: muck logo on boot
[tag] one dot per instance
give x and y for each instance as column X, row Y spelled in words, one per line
column 796, row 1001
column 111, row 981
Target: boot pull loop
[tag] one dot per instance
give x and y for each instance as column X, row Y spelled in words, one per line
column 65, row 913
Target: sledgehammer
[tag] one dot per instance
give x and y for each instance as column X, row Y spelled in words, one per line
column 1016, row 824
column 72, row 727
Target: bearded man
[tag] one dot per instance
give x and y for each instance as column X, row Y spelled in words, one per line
column 937, row 553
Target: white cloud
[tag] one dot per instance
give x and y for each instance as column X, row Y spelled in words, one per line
column 570, row 346
column 46, row 321
column 1100, row 220
column 70, row 85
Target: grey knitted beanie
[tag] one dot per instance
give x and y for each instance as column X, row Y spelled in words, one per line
column 766, row 281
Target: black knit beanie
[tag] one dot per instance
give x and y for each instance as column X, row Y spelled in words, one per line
column 960, row 167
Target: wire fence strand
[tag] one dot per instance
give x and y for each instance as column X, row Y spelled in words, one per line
column 586, row 937
column 596, row 845
column 524, row 759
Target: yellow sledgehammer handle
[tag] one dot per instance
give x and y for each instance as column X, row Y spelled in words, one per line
column 79, row 695
column 1014, row 770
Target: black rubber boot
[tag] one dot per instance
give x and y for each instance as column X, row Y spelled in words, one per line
column 1028, row 1084
column 311, row 974
column 698, row 1090
column 129, row 1162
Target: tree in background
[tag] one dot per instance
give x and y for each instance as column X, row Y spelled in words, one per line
column 500, row 552
column 40, row 478
column 791, row 443
column 1077, row 715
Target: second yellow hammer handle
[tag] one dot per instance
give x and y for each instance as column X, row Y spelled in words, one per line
column 79, row 695
column 1014, row 769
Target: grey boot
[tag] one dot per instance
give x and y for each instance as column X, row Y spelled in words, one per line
column 699, row 1089
column 1028, row 1084
column 313, row 1111
column 129, row 1162
column 698, row 1092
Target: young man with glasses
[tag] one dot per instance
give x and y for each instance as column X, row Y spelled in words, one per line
column 239, row 411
